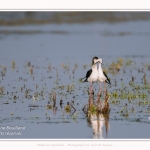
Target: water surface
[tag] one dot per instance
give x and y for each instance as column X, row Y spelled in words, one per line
column 41, row 58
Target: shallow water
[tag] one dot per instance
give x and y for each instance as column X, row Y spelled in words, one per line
column 53, row 50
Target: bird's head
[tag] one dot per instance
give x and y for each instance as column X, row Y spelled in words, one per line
column 97, row 61
column 94, row 60
column 100, row 61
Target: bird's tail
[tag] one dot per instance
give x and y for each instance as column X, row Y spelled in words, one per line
column 108, row 82
column 85, row 80
column 81, row 79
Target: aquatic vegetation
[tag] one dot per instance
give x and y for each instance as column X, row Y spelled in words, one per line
column 67, row 109
column 128, row 62
column 93, row 109
column 15, row 97
column 147, row 66
column 75, row 68
column 85, row 66
column 115, row 102
column 59, row 91
column 2, row 90
column 6, row 102
column 49, row 68
column 31, row 70
column 114, row 94
column 70, row 88
column 35, row 97
column 115, row 67
column 100, row 107
column 65, row 67
column 13, row 64
column 3, row 70
column 49, row 107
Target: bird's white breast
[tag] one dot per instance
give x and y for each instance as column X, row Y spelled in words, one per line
column 94, row 75
column 101, row 76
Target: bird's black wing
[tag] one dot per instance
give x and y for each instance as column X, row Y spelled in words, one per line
column 87, row 75
column 108, row 81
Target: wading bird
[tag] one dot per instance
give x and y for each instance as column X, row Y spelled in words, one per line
column 96, row 74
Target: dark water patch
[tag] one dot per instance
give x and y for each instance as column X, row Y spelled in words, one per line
column 58, row 32
column 33, row 105
column 121, row 34
column 28, row 32
column 53, row 122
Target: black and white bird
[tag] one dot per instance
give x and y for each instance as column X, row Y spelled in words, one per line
column 96, row 74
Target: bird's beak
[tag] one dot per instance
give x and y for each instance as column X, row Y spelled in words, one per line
column 97, row 65
column 99, row 62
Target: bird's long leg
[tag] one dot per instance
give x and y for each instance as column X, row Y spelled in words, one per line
column 100, row 88
column 90, row 90
column 105, row 86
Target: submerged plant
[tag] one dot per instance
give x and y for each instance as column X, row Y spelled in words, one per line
column 13, row 64
column 49, row 107
column 2, row 90
column 67, row 109
column 93, row 109
column 115, row 95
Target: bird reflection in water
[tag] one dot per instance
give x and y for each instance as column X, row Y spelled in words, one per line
column 97, row 112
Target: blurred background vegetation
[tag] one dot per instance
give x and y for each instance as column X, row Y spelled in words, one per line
column 43, row 17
